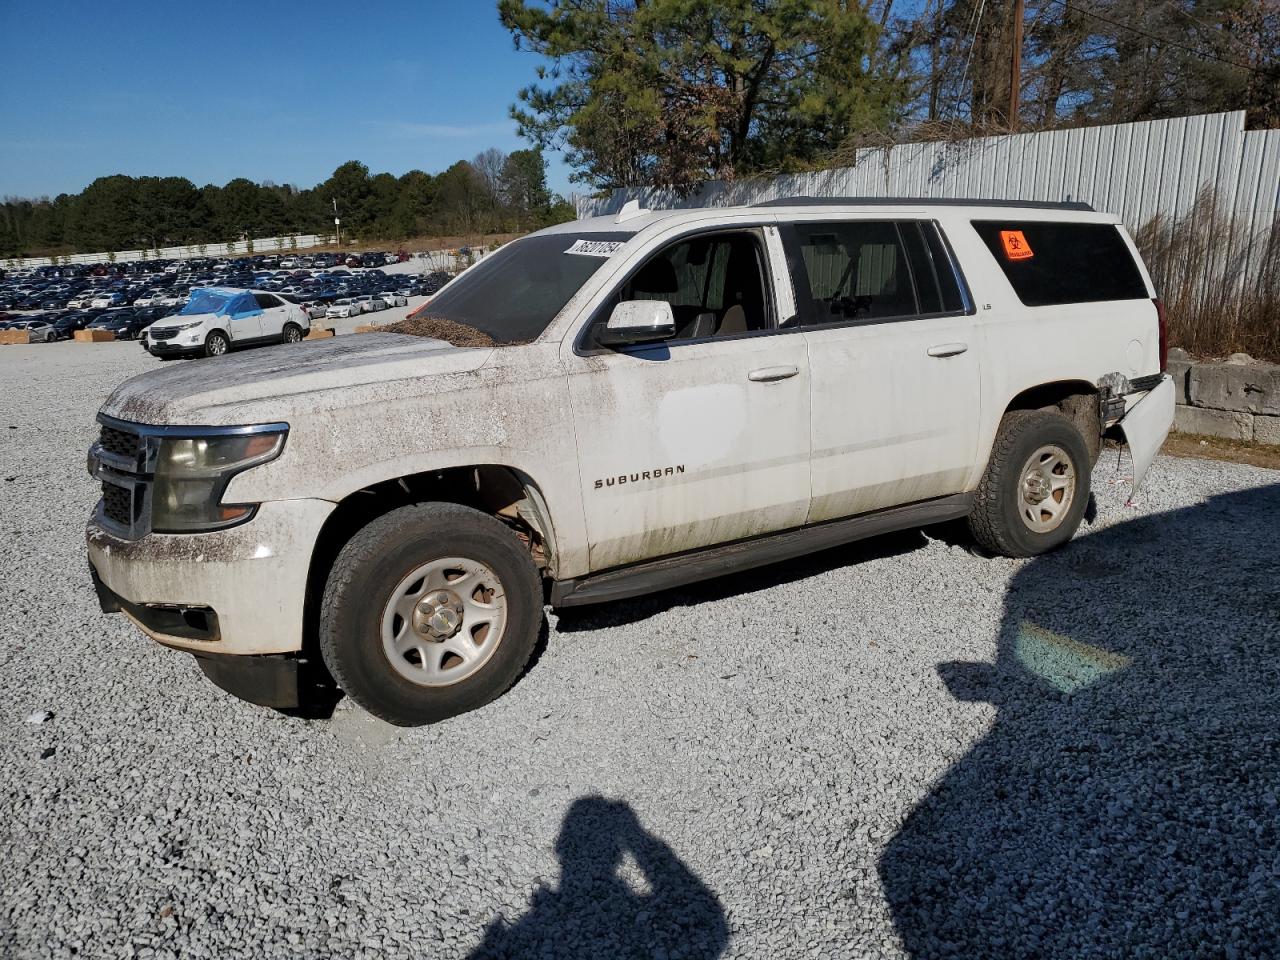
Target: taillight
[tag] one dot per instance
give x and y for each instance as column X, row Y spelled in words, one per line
column 1162, row 323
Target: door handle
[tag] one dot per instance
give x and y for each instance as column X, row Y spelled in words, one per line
column 772, row 374
column 947, row 349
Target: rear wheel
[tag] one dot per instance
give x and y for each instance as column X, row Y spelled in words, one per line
column 1035, row 490
column 292, row 333
column 430, row 611
column 216, row 344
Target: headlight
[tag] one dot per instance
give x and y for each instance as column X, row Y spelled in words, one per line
column 187, row 326
column 192, row 474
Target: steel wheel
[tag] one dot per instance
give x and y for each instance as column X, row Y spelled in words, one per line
column 443, row 621
column 1046, row 489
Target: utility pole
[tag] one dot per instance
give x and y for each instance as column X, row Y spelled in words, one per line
column 337, row 224
column 1015, row 66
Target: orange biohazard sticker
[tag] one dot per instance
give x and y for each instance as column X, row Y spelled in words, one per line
column 1015, row 245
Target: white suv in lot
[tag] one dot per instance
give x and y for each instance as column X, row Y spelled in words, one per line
column 617, row 406
column 219, row 319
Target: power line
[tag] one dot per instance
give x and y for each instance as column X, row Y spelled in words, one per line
column 973, row 42
column 1151, row 36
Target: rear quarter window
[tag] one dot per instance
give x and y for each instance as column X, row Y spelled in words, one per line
column 1050, row 263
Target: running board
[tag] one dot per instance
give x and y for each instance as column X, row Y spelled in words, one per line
column 674, row 571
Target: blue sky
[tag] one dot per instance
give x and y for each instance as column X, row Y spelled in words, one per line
column 270, row 90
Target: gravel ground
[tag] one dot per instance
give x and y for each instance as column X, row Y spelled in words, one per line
column 894, row 749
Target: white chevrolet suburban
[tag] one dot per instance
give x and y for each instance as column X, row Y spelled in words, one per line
column 615, row 406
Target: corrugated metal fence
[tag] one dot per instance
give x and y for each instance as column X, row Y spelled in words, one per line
column 1140, row 171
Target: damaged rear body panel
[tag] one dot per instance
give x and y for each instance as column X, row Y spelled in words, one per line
column 1146, row 425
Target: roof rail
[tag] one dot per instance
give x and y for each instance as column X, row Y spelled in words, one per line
column 921, row 201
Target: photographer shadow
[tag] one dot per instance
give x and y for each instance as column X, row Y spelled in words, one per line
column 623, row 893
column 1126, row 801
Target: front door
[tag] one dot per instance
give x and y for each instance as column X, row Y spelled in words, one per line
column 702, row 439
column 894, row 364
column 244, row 322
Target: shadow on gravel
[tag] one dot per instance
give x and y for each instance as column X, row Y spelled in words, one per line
column 598, row 912
column 619, row 612
column 1126, row 801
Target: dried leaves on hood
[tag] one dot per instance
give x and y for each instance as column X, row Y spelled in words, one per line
column 458, row 334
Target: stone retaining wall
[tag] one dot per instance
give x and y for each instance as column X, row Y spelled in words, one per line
column 1237, row 398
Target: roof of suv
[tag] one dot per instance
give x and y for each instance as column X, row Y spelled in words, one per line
column 634, row 220
column 921, row 202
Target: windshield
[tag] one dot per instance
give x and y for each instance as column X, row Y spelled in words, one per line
column 514, row 293
column 233, row 303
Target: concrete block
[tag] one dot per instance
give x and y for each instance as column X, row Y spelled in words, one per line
column 1213, row 423
column 1180, row 370
column 95, row 336
column 1266, row 430
column 320, row 333
column 14, row 336
column 1252, row 388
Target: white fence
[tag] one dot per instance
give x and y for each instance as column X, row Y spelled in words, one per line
column 236, row 248
column 1135, row 170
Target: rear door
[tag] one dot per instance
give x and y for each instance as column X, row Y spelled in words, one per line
column 274, row 314
column 893, row 359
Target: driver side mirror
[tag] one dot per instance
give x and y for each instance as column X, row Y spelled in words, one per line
column 638, row 321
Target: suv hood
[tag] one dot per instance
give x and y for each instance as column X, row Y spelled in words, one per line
column 182, row 319
column 282, row 383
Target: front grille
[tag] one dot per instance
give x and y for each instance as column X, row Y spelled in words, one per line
column 123, row 464
column 162, row 334
column 119, row 442
column 117, row 504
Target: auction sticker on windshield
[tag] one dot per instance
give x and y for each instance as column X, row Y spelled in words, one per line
column 595, row 248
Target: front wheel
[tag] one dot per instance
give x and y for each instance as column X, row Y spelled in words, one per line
column 1035, row 490
column 292, row 333
column 430, row 611
column 216, row 344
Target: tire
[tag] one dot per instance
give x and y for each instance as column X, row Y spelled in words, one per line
column 377, row 572
column 216, row 344
column 1014, row 512
column 292, row 333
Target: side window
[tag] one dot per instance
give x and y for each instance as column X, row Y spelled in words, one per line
column 932, row 268
column 266, row 301
column 853, row 271
column 715, row 284
column 1058, row 262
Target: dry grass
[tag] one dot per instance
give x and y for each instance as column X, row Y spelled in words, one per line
column 1220, row 283
column 1215, row 448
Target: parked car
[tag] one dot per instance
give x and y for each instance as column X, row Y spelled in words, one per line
column 124, row 324
column 392, row 299
column 104, row 300
column 650, row 419
column 217, row 320
column 39, row 329
column 368, row 303
column 345, row 307
column 68, row 323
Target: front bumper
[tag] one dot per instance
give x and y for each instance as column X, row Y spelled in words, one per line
column 171, row 348
column 237, row 591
